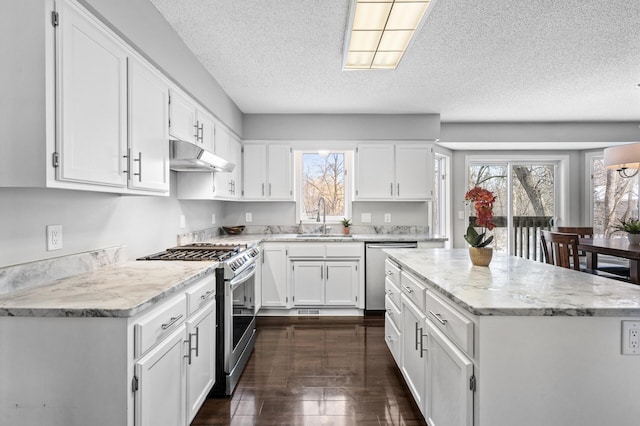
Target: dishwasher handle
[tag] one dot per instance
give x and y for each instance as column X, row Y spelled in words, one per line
column 389, row 246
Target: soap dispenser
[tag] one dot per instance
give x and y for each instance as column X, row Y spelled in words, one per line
column 300, row 228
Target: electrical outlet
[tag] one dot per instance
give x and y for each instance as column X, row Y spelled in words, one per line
column 248, row 217
column 213, row 218
column 387, row 218
column 365, row 218
column 631, row 337
column 54, row 237
column 183, row 222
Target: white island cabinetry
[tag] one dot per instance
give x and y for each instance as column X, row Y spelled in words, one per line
column 516, row 343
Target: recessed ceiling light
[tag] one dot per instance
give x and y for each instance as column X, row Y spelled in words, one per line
column 380, row 31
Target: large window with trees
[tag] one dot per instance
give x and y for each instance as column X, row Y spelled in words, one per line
column 613, row 198
column 323, row 175
column 526, row 201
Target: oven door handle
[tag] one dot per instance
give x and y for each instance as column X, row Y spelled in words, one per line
column 244, row 276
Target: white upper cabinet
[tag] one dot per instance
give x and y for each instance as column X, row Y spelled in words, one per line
column 375, row 172
column 414, row 172
column 91, row 101
column 189, row 122
column 148, row 138
column 182, row 113
column 394, row 172
column 228, row 185
column 267, row 172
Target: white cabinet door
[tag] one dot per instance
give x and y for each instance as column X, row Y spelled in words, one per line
column 160, row 398
column 414, row 172
column 449, row 371
column 255, row 171
column 206, row 130
column 91, row 101
column 375, row 172
column 341, row 283
column 280, row 173
column 148, row 139
column 307, row 280
column 235, row 156
column 413, row 360
column 201, row 329
column 221, row 180
column 274, row 276
column 182, row 114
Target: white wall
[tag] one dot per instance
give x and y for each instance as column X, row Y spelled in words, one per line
column 93, row 220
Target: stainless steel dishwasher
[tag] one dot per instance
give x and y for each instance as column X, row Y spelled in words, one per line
column 374, row 271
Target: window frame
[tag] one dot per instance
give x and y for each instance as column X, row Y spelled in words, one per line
column 299, row 187
column 443, row 184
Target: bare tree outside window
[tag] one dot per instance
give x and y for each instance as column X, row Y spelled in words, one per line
column 614, row 198
column 323, row 176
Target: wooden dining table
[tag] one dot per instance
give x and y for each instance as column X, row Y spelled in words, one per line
column 618, row 247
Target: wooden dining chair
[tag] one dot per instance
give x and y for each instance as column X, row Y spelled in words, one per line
column 587, row 232
column 561, row 249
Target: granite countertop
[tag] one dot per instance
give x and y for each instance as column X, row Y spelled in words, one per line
column 121, row 290
column 252, row 239
column 516, row 286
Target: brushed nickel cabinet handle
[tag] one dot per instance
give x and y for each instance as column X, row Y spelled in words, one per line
column 139, row 160
column 439, row 318
column 172, row 321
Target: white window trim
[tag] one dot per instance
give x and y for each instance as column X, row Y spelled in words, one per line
column 588, row 184
column 348, row 184
column 446, row 204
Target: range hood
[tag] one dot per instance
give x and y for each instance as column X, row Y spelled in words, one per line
column 189, row 157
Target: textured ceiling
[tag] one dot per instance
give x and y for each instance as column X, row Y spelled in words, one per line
column 490, row 60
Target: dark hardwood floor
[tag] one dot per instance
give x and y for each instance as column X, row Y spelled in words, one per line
column 317, row 371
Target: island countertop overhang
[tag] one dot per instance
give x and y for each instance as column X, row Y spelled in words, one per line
column 512, row 286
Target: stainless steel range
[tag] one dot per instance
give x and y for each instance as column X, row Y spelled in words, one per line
column 235, row 304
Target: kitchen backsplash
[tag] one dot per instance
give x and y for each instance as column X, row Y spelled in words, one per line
column 41, row 272
column 209, row 233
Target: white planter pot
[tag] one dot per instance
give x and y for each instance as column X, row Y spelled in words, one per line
column 633, row 238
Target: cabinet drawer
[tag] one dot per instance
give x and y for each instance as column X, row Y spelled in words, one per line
column 344, row 250
column 413, row 288
column 153, row 327
column 392, row 272
column 393, row 310
column 199, row 294
column 454, row 325
column 307, row 250
column 392, row 337
column 392, row 291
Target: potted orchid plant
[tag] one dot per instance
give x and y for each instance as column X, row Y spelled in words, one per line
column 482, row 200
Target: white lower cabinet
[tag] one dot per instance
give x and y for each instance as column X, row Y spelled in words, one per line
column 201, row 373
column 414, row 362
column 160, row 383
column 331, row 283
column 274, row 276
column 449, row 394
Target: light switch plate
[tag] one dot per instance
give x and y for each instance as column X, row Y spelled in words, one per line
column 365, row 217
column 183, row 222
column 213, row 218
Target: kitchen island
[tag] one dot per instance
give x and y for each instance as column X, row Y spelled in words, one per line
column 516, row 343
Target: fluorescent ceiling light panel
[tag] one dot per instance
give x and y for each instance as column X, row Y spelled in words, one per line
column 381, row 31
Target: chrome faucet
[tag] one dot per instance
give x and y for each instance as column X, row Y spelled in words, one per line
column 324, row 215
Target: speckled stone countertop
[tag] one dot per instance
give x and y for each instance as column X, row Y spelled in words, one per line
column 515, row 286
column 121, row 290
column 252, row 239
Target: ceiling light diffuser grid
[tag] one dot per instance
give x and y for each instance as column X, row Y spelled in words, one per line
column 380, row 31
